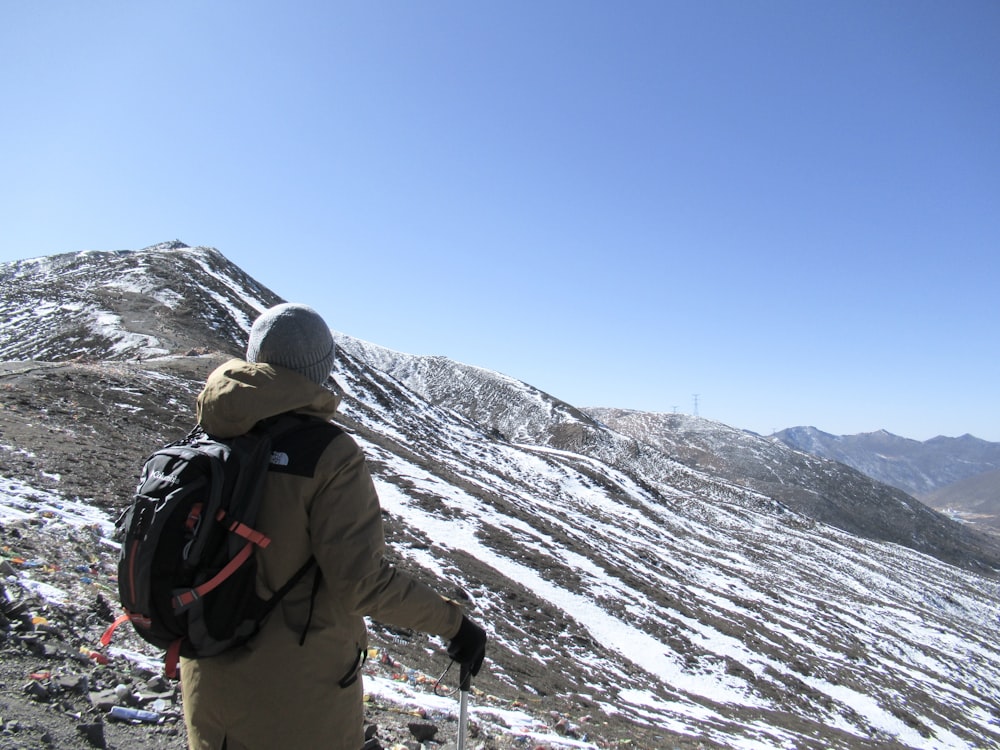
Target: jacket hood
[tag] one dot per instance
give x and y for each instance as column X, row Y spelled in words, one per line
column 239, row 394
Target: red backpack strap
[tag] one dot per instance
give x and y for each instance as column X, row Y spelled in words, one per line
column 185, row 599
column 106, row 638
column 170, row 660
column 241, row 529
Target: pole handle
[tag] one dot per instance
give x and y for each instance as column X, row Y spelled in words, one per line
column 465, row 678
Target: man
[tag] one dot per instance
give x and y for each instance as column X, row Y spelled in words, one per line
column 297, row 683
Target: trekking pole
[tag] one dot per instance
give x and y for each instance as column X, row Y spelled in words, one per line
column 465, row 684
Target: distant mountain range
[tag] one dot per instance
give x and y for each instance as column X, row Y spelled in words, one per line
column 670, row 581
column 959, row 474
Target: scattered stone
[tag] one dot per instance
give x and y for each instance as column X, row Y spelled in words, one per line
column 159, row 684
column 371, row 743
column 103, row 609
column 104, row 699
column 94, row 734
column 422, row 732
column 37, row 691
column 78, row 683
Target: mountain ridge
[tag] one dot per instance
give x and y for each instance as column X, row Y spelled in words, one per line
column 914, row 466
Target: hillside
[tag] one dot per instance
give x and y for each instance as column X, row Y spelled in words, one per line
column 633, row 596
column 826, row 491
column 685, row 451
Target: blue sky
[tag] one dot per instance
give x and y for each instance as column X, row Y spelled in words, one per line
column 789, row 208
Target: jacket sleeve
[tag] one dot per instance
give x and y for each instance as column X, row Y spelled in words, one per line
column 345, row 525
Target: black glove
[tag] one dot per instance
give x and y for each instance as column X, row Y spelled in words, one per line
column 468, row 647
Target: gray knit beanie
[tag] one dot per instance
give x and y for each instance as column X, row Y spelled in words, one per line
column 295, row 337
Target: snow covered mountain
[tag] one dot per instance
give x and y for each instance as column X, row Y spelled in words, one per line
column 678, row 586
column 686, row 451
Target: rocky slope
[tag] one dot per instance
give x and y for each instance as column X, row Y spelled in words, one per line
column 685, row 451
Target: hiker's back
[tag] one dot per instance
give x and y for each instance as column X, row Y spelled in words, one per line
column 295, row 683
column 303, row 464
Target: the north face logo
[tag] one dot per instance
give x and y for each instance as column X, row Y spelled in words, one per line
column 279, row 458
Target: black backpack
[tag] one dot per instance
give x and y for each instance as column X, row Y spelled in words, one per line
column 187, row 570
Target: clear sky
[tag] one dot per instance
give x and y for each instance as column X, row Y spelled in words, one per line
column 790, row 208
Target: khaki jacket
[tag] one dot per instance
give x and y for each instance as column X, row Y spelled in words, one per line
column 275, row 693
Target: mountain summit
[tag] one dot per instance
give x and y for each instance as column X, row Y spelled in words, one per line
column 661, row 581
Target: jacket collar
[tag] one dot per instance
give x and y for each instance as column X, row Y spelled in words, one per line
column 238, row 394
